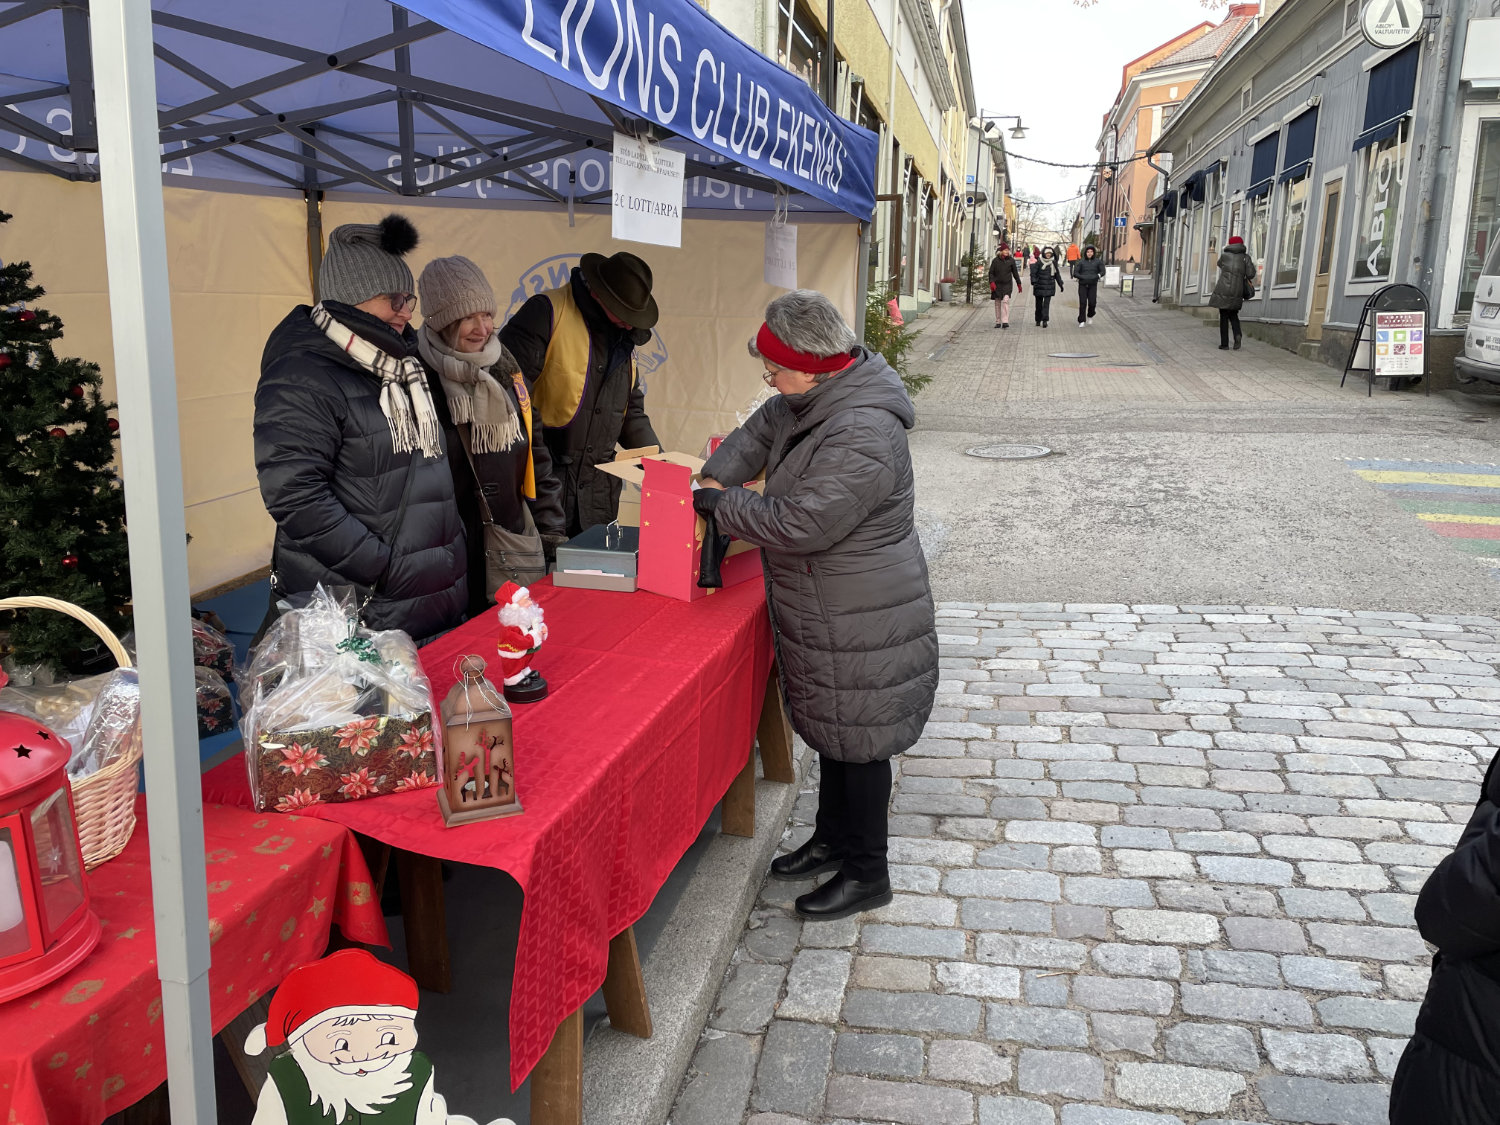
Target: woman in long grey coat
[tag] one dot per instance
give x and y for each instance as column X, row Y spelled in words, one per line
column 846, row 580
column 1236, row 270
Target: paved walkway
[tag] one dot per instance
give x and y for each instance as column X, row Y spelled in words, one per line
column 1156, row 864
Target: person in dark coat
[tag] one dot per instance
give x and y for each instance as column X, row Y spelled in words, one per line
column 1088, row 271
column 1450, row 1071
column 576, row 347
column 1046, row 280
column 846, row 580
column 348, row 448
column 1003, row 277
column 1236, row 271
column 482, row 400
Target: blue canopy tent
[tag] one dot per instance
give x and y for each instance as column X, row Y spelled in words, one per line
column 499, row 101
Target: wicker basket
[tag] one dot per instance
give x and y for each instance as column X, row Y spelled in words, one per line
column 103, row 802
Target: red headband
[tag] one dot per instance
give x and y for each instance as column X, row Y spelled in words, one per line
column 773, row 348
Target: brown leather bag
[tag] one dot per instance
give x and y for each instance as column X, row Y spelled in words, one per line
column 509, row 556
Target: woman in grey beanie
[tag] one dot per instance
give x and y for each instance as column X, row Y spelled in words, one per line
column 348, row 446
column 510, row 501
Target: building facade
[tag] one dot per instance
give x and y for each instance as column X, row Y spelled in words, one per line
column 1345, row 167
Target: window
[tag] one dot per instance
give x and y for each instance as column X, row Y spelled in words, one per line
column 1351, row 14
column 1214, row 193
column 800, row 46
column 1483, row 234
column 1382, row 178
column 1246, row 97
column 1168, row 112
column 1292, row 227
column 1260, row 216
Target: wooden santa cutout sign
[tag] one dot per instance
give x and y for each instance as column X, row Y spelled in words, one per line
column 479, row 764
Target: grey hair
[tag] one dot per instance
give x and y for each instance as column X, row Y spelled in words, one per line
column 806, row 320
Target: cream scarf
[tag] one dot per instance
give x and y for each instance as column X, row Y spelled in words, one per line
column 474, row 395
column 403, row 387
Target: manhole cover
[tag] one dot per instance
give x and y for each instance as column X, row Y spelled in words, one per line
column 1073, row 355
column 1003, row 451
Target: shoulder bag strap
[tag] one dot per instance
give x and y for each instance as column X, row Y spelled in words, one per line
column 465, row 440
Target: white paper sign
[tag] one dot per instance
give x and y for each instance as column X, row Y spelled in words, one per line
column 781, row 255
column 1111, row 276
column 1400, row 343
column 648, row 192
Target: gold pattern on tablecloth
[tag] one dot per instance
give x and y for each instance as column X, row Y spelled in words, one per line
column 82, row 991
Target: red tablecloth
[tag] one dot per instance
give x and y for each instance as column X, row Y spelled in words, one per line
column 653, row 707
column 90, row 1043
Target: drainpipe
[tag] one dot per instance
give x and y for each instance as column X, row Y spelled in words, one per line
column 1158, row 266
column 1437, row 178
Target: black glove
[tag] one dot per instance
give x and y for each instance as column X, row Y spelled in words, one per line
column 705, row 500
column 712, row 555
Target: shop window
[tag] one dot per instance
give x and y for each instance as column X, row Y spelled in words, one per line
column 1483, row 235
column 1260, row 223
column 800, row 45
column 1213, row 191
column 1382, row 178
column 1291, row 230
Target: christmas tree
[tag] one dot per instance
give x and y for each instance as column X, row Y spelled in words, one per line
column 62, row 511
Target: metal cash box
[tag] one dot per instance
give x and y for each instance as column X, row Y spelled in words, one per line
column 604, row 557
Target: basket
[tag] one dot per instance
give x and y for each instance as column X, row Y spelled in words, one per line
column 103, row 802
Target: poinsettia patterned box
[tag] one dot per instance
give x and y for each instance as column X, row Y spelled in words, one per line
column 365, row 757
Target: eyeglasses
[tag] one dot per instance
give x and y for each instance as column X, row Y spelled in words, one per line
column 400, row 302
column 769, row 375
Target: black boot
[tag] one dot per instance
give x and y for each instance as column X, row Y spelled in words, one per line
column 1237, row 339
column 812, row 858
column 842, row 896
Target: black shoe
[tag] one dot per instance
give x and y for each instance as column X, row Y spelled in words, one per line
column 999, row 326
column 812, row 858
column 1236, row 343
column 841, row 897
column 1223, row 347
column 1005, row 326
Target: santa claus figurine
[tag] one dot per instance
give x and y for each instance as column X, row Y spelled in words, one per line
column 347, row 1028
column 522, row 631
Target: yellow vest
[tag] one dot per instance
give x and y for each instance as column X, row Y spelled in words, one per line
column 565, row 369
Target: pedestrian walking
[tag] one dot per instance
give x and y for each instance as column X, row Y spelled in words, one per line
column 1046, row 280
column 576, row 346
column 846, row 580
column 349, row 453
column 1450, row 1070
column 1088, row 271
column 1003, row 276
column 1235, row 286
column 510, row 502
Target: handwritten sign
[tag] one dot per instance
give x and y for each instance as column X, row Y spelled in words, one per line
column 648, row 192
column 781, row 255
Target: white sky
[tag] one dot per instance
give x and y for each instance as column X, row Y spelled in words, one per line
column 1058, row 66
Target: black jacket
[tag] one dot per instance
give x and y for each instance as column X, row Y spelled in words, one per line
column 1046, row 277
column 1087, row 269
column 1004, row 274
column 503, row 475
column 1450, row 1072
column 846, row 579
column 333, row 482
column 611, row 410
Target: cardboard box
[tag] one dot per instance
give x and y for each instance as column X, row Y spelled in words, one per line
column 628, row 513
column 671, row 531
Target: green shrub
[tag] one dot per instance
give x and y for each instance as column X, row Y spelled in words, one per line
column 893, row 341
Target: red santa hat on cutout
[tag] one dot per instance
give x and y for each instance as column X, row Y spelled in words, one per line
column 347, row 983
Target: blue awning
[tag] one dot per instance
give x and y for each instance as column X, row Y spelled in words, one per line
column 1263, row 165
column 1169, row 205
column 488, row 99
column 1301, row 136
column 1192, row 187
column 1389, row 97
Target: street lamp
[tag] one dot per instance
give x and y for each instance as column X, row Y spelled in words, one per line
column 985, row 123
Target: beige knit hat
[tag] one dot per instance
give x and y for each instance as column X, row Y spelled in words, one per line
column 451, row 289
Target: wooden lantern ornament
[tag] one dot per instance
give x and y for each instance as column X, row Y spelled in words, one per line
column 479, row 762
column 46, row 926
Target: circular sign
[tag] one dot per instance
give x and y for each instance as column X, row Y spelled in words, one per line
column 1391, row 23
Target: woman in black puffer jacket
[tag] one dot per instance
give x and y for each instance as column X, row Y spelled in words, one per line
column 1450, row 1073
column 1088, row 271
column 1046, row 280
column 348, row 448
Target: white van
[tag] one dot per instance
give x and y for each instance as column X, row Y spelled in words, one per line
column 1481, row 355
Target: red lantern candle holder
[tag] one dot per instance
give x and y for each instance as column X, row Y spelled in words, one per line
column 46, row 926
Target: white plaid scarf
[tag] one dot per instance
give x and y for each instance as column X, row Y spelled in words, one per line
column 403, row 387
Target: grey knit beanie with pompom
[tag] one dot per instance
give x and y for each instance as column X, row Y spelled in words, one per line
column 364, row 260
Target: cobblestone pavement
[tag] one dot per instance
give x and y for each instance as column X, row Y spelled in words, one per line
column 1154, row 864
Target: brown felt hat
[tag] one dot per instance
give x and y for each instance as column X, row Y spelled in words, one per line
column 622, row 284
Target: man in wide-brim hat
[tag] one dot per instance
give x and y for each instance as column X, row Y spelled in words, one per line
column 576, row 347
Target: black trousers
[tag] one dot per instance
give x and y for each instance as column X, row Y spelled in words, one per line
column 1088, row 299
column 1228, row 318
column 852, row 803
column 1043, row 307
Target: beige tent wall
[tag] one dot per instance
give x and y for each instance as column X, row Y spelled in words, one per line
column 239, row 262
column 711, row 292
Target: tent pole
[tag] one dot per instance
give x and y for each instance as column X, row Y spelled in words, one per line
column 862, row 280
column 314, row 198
column 151, row 459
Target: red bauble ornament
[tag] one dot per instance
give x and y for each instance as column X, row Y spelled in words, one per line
column 114, row 425
column 58, row 431
column 76, row 391
column 70, row 560
column 26, row 316
column 5, row 361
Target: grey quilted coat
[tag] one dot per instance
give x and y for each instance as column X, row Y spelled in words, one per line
column 846, row 580
column 1235, row 268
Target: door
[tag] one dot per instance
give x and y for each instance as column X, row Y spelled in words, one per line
column 1332, row 193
